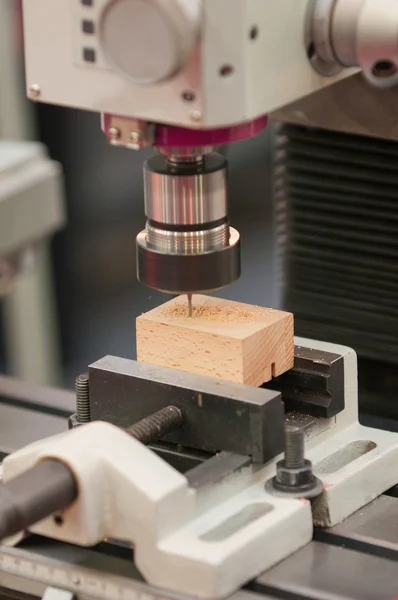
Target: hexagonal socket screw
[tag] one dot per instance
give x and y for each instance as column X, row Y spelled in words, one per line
column 294, row 475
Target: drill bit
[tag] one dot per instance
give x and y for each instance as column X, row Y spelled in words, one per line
column 190, row 310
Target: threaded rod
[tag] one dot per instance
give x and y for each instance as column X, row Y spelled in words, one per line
column 156, row 426
column 294, row 446
column 83, row 414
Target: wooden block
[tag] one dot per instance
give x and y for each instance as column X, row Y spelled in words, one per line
column 224, row 339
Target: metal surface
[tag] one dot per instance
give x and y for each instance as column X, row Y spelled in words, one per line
column 128, row 30
column 83, row 398
column 315, row 386
column 339, row 245
column 323, row 572
column 188, row 245
column 47, row 488
column 372, row 530
column 19, row 427
column 216, row 469
column 187, row 242
column 357, row 108
column 99, row 573
column 294, row 446
column 190, row 307
column 318, row 572
column 29, row 413
column 186, row 195
column 169, row 136
column 223, row 81
column 318, row 43
column 363, row 33
column 180, row 458
column 184, row 273
column 356, row 33
column 127, row 132
column 24, row 394
column 156, row 426
column 187, row 154
column 343, row 31
column 218, row 415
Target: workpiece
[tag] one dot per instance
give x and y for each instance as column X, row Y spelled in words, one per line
column 223, row 339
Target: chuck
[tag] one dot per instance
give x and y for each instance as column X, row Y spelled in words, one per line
column 188, row 245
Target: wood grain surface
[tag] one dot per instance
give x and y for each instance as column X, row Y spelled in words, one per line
column 224, row 339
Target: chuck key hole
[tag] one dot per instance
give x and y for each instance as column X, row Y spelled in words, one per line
column 384, row 69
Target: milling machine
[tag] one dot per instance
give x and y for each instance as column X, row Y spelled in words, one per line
column 179, row 485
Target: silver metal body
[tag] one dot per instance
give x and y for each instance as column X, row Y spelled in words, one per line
column 188, row 245
column 240, row 66
column 188, row 242
column 355, row 32
column 194, row 199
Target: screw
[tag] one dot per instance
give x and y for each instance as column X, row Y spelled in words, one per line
column 195, row 115
column 135, row 140
column 83, row 398
column 135, row 137
column 114, row 134
column 156, row 426
column 294, row 474
column 294, row 446
column 35, row 90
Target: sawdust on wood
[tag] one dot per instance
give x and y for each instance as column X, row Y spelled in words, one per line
column 220, row 314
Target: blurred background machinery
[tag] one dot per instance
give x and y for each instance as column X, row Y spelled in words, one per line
column 336, row 227
column 322, row 228
column 31, row 211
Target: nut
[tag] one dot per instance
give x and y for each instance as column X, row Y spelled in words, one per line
column 298, row 476
column 73, row 422
column 35, row 90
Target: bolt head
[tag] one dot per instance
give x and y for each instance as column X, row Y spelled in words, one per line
column 136, row 142
column 114, row 134
column 195, row 115
column 35, row 91
column 135, row 137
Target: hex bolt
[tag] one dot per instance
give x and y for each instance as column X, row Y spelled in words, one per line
column 294, row 446
column 135, row 136
column 294, row 475
column 83, row 399
column 156, row 426
column 114, row 134
column 35, row 90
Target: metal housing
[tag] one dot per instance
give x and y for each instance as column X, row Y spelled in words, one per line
column 251, row 60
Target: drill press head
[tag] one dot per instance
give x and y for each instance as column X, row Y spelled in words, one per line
column 188, row 245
